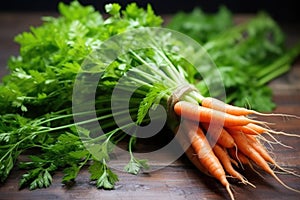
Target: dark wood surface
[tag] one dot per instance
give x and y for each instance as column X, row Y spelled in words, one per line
column 179, row 180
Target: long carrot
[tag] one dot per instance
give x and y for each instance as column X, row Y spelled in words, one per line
column 189, row 151
column 247, row 129
column 244, row 146
column 216, row 104
column 254, row 129
column 205, row 154
column 192, row 156
column 219, row 134
column 242, row 159
column 202, row 114
column 225, row 160
column 264, row 153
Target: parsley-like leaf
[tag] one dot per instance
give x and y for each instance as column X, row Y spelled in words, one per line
column 104, row 177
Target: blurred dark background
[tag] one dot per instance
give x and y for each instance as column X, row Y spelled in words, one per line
column 286, row 10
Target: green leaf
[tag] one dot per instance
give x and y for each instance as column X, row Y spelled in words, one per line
column 79, row 154
column 70, row 173
column 96, row 170
column 6, row 166
column 105, row 177
column 201, row 26
column 134, row 166
column 256, row 98
column 154, row 95
column 113, row 8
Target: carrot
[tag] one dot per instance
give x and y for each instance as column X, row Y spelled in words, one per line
column 202, row 114
column 192, row 156
column 247, row 129
column 242, row 159
column 189, row 151
column 255, row 144
column 244, row 146
column 238, row 156
column 205, row 154
column 264, row 153
column 224, row 158
column 254, row 129
column 219, row 134
column 216, row 104
column 260, row 130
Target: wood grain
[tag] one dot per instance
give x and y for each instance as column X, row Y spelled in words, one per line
column 179, row 180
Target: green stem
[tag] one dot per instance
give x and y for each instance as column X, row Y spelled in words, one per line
column 281, row 70
column 158, row 71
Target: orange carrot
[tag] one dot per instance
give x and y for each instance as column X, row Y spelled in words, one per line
column 223, row 138
column 255, row 144
column 216, row 104
column 260, row 130
column 242, row 159
column 205, row 154
column 189, row 151
column 254, row 129
column 244, row 146
column 248, row 129
column 192, row 156
column 264, row 153
column 238, row 156
column 202, row 114
column 225, row 160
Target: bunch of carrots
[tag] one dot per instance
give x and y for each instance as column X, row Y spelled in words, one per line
column 219, row 136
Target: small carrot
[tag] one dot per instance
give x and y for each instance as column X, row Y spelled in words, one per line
column 244, row 146
column 216, row 104
column 224, row 158
column 219, row 134
column 202, row 114
column 205, row 154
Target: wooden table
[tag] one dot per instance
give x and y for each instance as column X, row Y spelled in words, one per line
column 180, row 180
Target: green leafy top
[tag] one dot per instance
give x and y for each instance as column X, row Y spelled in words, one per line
column 35, row 97
column 51, row 54
column 200, row 25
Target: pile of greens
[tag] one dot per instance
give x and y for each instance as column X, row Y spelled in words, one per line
column 36, row 96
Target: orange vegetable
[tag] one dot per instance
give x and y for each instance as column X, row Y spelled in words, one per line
column 223, row 138
column 224, row 158
column 246, row 148
column 206, row 156
column 202, row 114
